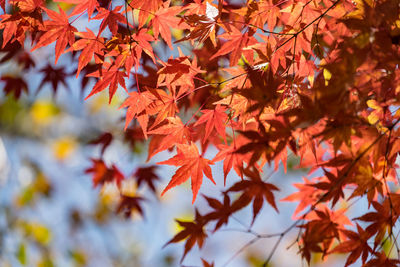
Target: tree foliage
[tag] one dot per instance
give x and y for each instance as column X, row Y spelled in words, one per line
column 256, row 80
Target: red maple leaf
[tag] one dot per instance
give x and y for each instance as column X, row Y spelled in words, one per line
column 307, row 195
column 103, row 174
column 110, row 77
column 127, row 204
column 193, row 232
column 237, row 41
column 146, row 175
column 82, row 6
column 90, row 44
column 167, row 135
column 54, row 76
column 382, row 260
column 110, row 19
column 145, row 8
column 178, row 72
column 255, row 190
column 192, row 165
column 104, row 140
column 222, row 210
column 14, row 85
column 380, row 221
column 357, row 245
column 137, row 104
column 164, row 105
column 214, row 119
column 166, row 19
column 231, row 160
column 58, row 29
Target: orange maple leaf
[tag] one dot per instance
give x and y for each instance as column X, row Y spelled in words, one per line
column 214, row 119
column 164, row 20
column 110, row 19
column 103, row 174
column 168, row 135
column 110, row 77
column 192, row 165
column 90, row 44
column 137, row 104
column 58, row 30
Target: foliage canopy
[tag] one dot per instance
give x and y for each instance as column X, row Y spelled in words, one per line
column 256, row 80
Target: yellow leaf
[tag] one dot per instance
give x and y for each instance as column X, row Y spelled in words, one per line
column 100, row 101
column 37, row 232
column 64, row 147
column 311, row 79
column 21, row 254
column 373, row 118
column 43, row 112
column 327, row 76
column 373, row 104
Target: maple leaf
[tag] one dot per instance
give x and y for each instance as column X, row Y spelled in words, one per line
column 231, row 160
column 90, row 44
column 178, row 72
column 146, row 175
column 3, row 5
column 110, row 19
column 81, row 6
column 165, row 105
column 14, row 85
column 260, row 145
column 222, row 210
column 145, row 9
column 307, row 195
column 137, row 104
column 127, row 204
column 110, row 77
column 321, row 230
column 193, row 232
column 103, row 174
column 9, row 50
column 164, row 20
column 29, row 19
column 203, row 26
column 357, row 245
column 132, row 52
column 192, row 165
column 58, row 29
column 206, row 263
column 381, row 221
column 9, row 24
column 133, row 136
column 214, row 119
column 28, row 5
column 25, row 60
column 104, row 140
column 333, row 184
column 166, row 136
column 255, row 190
column 54, row 76
column 237, row 41
column 382, row 260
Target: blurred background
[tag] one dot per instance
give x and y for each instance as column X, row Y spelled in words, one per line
column 51, row 214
